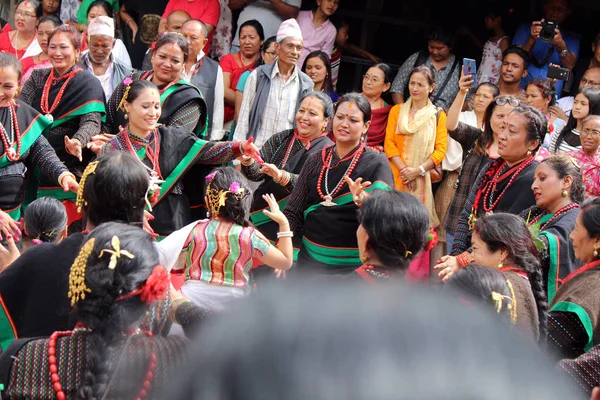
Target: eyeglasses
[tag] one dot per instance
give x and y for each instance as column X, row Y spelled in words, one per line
column 501, row 101
column 585, row 82
column 370, row 78
column 24, row 14
column 592, row 132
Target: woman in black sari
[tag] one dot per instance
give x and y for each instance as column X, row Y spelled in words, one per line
column 504, row 186
column 22, row 148
column 321, row 208
column 181, row 102
column 168, row 153
column 72, row 100
column 284, row 155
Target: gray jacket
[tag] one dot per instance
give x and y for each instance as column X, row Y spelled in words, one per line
column 120, row 71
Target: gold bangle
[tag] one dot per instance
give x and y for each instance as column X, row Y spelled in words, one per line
column 247, row 163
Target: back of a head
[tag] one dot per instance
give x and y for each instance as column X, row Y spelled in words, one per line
column 45, row 219
column 115, row 190
column 354, row 342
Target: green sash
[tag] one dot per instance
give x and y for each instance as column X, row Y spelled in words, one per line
column 8, row 333
column 347, row 198
column 554, row 255
column 565, row 306
column 86, row 108
column 200, row 132
column 28, row 138
column 15, row 214
column 259, row 218
column 178, row 171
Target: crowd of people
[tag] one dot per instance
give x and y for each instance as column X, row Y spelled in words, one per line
column 150, row 186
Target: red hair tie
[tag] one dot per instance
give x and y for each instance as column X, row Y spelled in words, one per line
column 155, row 287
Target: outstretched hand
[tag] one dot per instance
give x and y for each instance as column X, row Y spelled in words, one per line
column 272, row 171
column 8, row 254
column 8, row 226
column 357, row 188
column 251, row 150
column 448, row 266
column 73, row 147
column 97, row 142
column 274, row 212
column 68, row 183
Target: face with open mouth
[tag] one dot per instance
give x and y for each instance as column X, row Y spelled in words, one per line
column 310, row 120
column 167, row 63
column 144, row 110
column 62, row 52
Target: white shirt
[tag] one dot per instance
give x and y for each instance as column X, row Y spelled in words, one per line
column 120, row 53
column 279, row 112
column 218, row 116
column 454, row 153
column 106, row 79
column 566, row 104
column 265, row 13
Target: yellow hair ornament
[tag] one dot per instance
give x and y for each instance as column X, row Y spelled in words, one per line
column 90, row 169
column 77, row 286
column 512, row 307
column 116, row 253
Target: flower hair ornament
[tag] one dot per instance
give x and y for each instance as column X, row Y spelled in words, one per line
column 127, row 82
column 153, row 191
column 511, row 307
column 153, row 289
column 77, row 286
column 216, row 198
column 116, row 253
column 89, row 170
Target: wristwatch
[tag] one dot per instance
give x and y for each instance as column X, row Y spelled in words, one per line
column 564, row 53
column 423, row 172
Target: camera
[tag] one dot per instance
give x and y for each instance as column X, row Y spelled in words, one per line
column 548, row 31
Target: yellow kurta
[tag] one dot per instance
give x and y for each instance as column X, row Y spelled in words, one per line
column 400, row 145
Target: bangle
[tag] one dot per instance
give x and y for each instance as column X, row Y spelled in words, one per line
column 285, row 234
column 423, row 172
column 64, row 175
column 247, row 163
column 463, row 259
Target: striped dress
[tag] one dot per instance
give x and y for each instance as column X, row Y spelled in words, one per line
column 220, row 252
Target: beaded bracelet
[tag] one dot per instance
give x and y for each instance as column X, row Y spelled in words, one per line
column 463, row 259
column 285, row 234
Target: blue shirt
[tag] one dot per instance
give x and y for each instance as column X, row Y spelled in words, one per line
column 539, row 51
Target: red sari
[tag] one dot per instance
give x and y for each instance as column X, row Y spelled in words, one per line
column 231, row 63
column 376, row 133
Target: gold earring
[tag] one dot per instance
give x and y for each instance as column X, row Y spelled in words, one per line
column 595, row 253
column 564, row 193
column 364, row 258
column 126, row 116
column 501, row 264
column 528, row 152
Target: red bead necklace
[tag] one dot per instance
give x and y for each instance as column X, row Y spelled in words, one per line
column 555, row 216
column 46, row 109
column 326, row 167
column 57, row 386
column 153, row 154
column 7, row 141
column 287, row 153
column 491, row 185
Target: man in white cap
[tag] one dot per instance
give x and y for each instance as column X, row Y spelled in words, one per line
column 99, row 60
column 206, row 74
column 273, row 92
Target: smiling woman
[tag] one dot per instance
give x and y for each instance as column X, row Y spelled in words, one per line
column 21, row 41
column 588, row 157
column 41, row 60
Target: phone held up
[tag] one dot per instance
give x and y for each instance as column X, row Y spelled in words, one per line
column 470, row 68
column 561, row 74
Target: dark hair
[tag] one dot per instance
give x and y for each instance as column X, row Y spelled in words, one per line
column 397, row 224
column 520, row 52
column 546, row 87
column 536, row 124
column 106, row 318
column 357, row 99
column 256, row 25
column 203, row 26
column 425, row 70
column 593, row 96
column 37, row 5
column 101, row 3
column 45, row 219
column 264, row 47
column 8, row 60
column 71, row 33
column 387, row 71
column 325, row 102
column 117, row 190
column 509, row 232
column 477, row 282
column 596, row 40
column 237, row 211
column 338, row 21
column 137, row 87
column 369, row 341
column 441, row 34
column 564, row 166
column 495, row 89
column 328, row 84
column 52, row 18
column 174, row 39
column 590, row 216
column 486, row 139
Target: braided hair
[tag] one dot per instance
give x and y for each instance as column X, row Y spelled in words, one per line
column 509, row 232
column 106, row 318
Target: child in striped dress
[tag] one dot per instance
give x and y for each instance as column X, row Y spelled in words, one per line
column 217, row 253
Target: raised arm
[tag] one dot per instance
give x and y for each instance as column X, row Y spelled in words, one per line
column 464, row 84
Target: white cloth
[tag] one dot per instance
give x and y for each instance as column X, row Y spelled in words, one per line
column 280, row 111
column 170, row 247
column 218, row 116
column 212, row 297
column 566, row 104
column 288, row 28
column 454, row 153
column 106, row 80
column 33, row 49
column 102, row 25
column 120, row 53
column 265, row 13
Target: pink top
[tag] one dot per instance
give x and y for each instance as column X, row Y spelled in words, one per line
column 207, row 11
column 321, row 38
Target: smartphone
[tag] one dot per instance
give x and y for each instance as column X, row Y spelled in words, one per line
column 470, row 68
column 558, row 73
